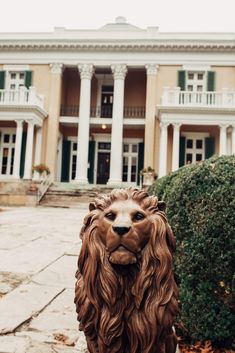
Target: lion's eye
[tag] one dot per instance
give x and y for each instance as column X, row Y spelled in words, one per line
column 138, row 216
column 111, row 216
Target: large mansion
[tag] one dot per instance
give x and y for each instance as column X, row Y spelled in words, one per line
column 96, row 106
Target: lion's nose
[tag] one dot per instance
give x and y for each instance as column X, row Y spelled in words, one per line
column 121, row 230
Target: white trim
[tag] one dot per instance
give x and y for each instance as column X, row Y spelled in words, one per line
column 196, row 67
column 16, row 67
column 189, row 118
column 195, row 136
column 11, row 145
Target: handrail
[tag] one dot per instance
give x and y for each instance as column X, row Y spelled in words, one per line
column 22, row 96
column 217, row 99
column 103, row 111
column 43, row 187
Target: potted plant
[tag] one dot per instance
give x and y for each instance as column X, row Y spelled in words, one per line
column 41, row 169
column 149, row 175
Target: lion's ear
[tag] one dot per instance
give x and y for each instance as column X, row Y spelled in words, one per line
column 161, row 206
column 92, row 206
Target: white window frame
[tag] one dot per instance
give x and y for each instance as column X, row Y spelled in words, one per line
column 195, row 136
column 130, row 155
column 10, row 131
column 73, row 140
column 195, row 82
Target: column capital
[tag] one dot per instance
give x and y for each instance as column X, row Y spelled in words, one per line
column 164, row 125
column 176, row 125
column 19, row 122
column 223, row 126
column 152, row 69
column 56, row 68
column 86, row 71
column 30, row 122
column 119, row 71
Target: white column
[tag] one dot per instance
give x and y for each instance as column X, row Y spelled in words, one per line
column 38, row 147
column 119, row 72
column 29, row 150
column 18, row 143
column 163, row 150
column 175, row 148
column 233, row 139
column 223, row 140
column 86, row 72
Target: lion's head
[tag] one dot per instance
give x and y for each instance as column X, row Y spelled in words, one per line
column 125, row 273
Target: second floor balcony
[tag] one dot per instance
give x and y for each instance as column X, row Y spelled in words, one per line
column 21, row 97
column 224, row 99
column 103, row 111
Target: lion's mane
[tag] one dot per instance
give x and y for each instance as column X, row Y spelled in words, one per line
column 131, row 312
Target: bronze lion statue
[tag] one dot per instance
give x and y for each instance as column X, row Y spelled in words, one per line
column 126, row 295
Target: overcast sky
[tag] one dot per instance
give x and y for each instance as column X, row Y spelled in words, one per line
column 168, row 15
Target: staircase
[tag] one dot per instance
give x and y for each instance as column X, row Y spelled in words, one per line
column 70, row 195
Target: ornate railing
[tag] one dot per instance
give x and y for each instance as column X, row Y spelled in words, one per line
column 217, row 99
column 103, row 112
column 44, row 186
column 22, row 96
column 134, row 112
column 69, row 110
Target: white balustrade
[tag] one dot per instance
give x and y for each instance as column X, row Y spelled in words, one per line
column 22, row 96
column 217, row 99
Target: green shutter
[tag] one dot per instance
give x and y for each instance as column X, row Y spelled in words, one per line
column 209, row 147
column 91, row 159
column 181, row 79
column 140, row 160
column 2, row 79
column 28, row 79
column 210, row 81
column 22, row 157
column 66, row 151
column 182, row 151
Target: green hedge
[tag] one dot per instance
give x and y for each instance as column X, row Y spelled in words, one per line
column 201, row 210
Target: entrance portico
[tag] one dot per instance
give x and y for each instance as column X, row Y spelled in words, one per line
column 188, row 128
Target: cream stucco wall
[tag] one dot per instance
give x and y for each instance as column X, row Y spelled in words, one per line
column 41, row 79
column 224, row 78
column 167, row 77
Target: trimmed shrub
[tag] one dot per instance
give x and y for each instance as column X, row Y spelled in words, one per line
column 201, row 210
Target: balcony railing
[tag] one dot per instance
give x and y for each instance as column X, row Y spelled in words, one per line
column 21, row 97
column 217, row 99
column 103, row 112
column 69, row 110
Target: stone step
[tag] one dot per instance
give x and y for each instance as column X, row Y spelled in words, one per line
column 69, row 194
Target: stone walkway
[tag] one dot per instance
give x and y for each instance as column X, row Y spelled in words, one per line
column 38, row 255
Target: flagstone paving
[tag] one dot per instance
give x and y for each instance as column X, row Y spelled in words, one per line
column 38, row 255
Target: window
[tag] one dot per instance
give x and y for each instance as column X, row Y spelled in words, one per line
column 15, row 80
column 130, row 162
column 195, row 81
column 194, row 151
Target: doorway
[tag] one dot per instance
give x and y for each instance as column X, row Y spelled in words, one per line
column 103, row 164
column 107, row 102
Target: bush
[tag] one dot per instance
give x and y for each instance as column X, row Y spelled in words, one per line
column 201, row 210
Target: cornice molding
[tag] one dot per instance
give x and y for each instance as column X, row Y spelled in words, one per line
column 133, row 47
